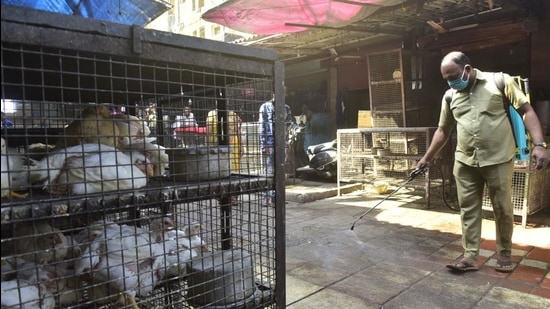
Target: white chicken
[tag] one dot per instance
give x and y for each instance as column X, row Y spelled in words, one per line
column 68, row 289
column 156, row 154
column 14, row 172
column 38, row 242
column 193, row 231
column 37, row 273
column 57, row 278
column 118, row 262
column 132, row 127
column 137, row 132
column 9, row 267
column 90, row 168
column 24, row 294
column 179, row 246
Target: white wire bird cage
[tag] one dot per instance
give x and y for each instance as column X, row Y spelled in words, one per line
column 389, row 155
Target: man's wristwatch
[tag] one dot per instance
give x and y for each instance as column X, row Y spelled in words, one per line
column 543, row 145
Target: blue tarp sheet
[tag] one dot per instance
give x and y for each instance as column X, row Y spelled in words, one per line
column 129, row 12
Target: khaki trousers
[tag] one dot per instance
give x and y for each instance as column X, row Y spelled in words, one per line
column 470, row 182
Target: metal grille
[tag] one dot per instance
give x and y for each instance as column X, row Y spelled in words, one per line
column 118, row 201
column 386, row 89
column 529, row 192
column 376, row 156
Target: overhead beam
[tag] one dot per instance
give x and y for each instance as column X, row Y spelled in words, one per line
column 357, row 3
column 482, row 37
column 375, row 30
column 418, row 4
column 295, row 51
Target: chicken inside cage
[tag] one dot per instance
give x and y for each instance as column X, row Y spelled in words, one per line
column 109, row 200
column 110, row 263
column 98, row 250
column 122, row 262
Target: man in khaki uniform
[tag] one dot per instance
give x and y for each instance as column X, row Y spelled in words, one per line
column 484, row 153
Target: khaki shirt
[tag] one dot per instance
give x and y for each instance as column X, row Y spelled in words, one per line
column 484, row 133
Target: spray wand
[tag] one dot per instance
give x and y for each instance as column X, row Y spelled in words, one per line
column 414, row 173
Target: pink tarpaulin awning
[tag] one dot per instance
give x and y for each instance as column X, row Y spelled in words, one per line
column 271, row 17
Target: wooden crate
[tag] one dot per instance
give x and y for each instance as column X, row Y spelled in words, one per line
column 364, row 119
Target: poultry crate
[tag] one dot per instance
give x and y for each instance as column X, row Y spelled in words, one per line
column 530, row 192
column 100, row 205
column 383, row 155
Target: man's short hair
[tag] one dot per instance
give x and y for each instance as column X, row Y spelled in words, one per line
column 457, row 57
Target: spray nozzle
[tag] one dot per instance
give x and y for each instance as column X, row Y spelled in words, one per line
column 418, row 171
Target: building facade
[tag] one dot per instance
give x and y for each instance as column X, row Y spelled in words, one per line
column 185, row 18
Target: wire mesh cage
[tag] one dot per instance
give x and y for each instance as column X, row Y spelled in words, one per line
column 132, row 174
column 382, row 155
column 386, row 89
column 529, row 192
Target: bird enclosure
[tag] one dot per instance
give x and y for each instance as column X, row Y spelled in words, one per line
column 132, row 175
column 383, row 157
column 530, row 192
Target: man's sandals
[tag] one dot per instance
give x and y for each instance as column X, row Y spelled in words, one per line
column 464, row 264
column 504, row 265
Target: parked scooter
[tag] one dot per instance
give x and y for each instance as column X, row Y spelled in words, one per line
column 322, row 161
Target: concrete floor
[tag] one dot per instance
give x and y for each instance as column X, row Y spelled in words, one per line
column 396, row 255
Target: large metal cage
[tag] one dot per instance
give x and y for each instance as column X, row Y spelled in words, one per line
column 383, row 156
column 110, row 196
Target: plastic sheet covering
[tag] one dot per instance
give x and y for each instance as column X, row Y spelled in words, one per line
column 271, row 17
column 130, row 12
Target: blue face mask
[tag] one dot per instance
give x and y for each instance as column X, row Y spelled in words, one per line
column 459, row 83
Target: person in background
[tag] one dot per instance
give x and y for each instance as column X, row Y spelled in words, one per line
column 187, row 137
column 151, row 118
column 266, row 129
column 234, row 131
column 305, row 123
column 185, row 120
column 6, row 122
column 484, row 154
column 236, row 148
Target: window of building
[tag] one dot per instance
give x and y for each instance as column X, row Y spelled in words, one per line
column 216, row 30
column 202, row 32
column 198, row 4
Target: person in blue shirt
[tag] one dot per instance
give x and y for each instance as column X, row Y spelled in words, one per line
column 6, row 122
column 267, row 140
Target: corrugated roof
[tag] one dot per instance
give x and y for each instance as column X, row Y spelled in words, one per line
column 385, row 20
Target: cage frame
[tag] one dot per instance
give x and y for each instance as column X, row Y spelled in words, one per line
column 344, row 158
column 51, row 30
